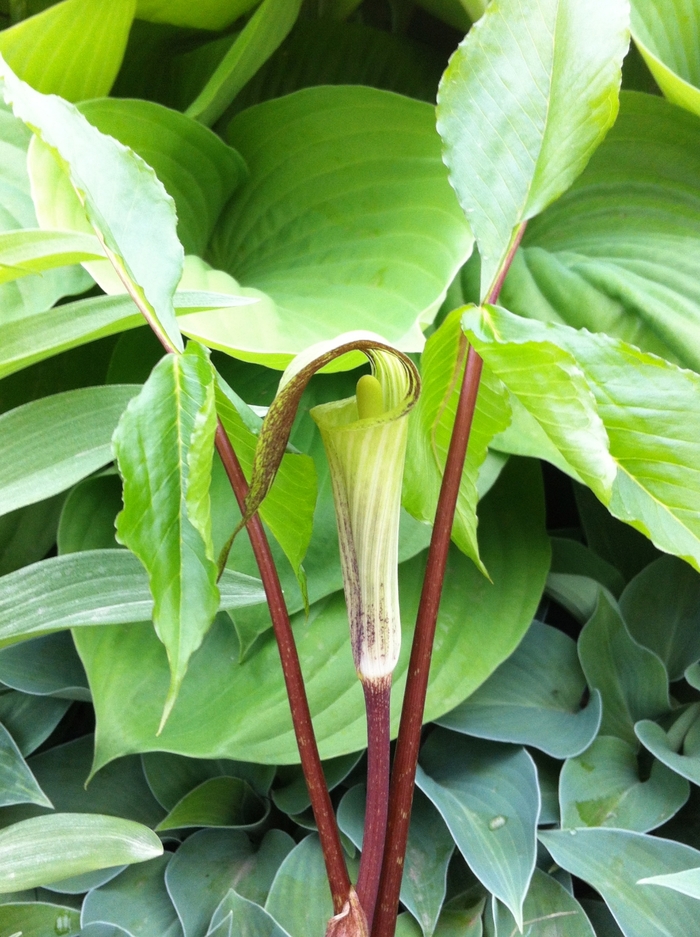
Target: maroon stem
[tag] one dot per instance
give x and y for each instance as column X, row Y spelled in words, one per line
column 403, row 773
column 301, row 716
column 378, row 703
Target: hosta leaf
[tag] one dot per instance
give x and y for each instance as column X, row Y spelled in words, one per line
column 489, row 799
column 679, row 748
column 668, row 36
column 164, row 445
column 207, row 14
column 43, row 850
column 45, row 666
column 631, row 679
column 647, row 416
column 28, row 533
column 526, row 99
column 618, row 253
column 385, row 269
column 34, row 919
column 256, row 42
column 687, row 882
column 116, row 187
column 613, row 861
column 299, row 899
column 602, row 787
column 222, row 801
column 73, row 48
column 533, row 698
column 291, row 794
column 250, row 918
column 34, row 251
column 170, row 777
column 549, row 911
column 30, row 719
column 51, row 443
column 17, row 783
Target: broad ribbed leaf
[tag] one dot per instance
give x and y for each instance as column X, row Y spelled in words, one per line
column 628, row 419
column 34, row 251
column 687, row 882
column 250, row 918
column 549, row 911
column 95, row 587
column 51, row 443
column 526, row 99
column 36, row 918
column 17, row 783
column 74, row 48
column 46, row 849
column 164, row 445
column 613, row 861
column 489, row 799
column 171, row 777
column 299, row 899
column 222, row 801
column 668, row 36
column 126, row 205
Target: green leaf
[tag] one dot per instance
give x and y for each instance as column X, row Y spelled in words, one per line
column 526, row 99
column 92, row 588
column 613, row 861
column 37, row 918
column 171, row 777
column 679, row 748
column 549, row 911
column 45, row 849
column 602, row 787
column 250, row 918
column 572, row 557
column 256, row 42
column 207, row 14
column 385, row 268
column 136, row 900
column 74, row 48
column 489, row 799
column 240, row 710
column 116, row 188
column 47, row 666
column 52, row 443
column 87, row 518
column 208, row 863
column 291, row 794
column 17, row 783
column 164, row 445
column 570, row 371
column 618, row 253
column 631, row 679
column 533, row 698
column 430, row 431
column 26, row 535
column 222, row 801
column 30, row 719
column 299, row 899
column 429, row 850
column 34, row 251
column 687, row 882
column 661, row 607
column 667, row 37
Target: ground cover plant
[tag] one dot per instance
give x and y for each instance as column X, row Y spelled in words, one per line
column 253, row 256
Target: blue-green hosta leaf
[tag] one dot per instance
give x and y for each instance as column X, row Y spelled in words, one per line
column 126, row 205
column 164, row 445
column 668, row 36
column 384, row 268
column 630, row 678
column 299, row 899
column 430, row 430
column 96, row 587
column 679, row 748
column 661, row 607
column 45, row 666
column 33, row 919
column 602, row 787
column 170, row 777
column 208, row 863
column 17, row 783
column 687, row 882
column 618, row 253
column 33, row 251
column 526, row 99
column 137, row 900
column 256, row 42
column 291, row 794
column 489, row 799
column 250, row 918
column 549, row 911
column 613, row 862
column 30, row 719
column 43, row 850
column 533, row 698
column 626, row 421
column 222, row 801
column 51, row 443
column 74, row 48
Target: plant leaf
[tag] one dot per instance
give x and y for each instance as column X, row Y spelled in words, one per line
column 43, row 850
column 249, row 917
column 29, row 719
column 526, row 99
column 38, row 917
column 222, row 801
column 687, row 882
column 34, row 251
column 207, row 14
column 17, row 783
column 665, row 745
column 549, row 911
column 299, row 899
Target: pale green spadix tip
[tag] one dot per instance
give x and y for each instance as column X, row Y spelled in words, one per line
column 370, row 397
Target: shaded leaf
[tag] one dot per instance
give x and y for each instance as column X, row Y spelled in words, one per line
column 208, row 14
column 291, row 794
column 26, row 535
column 249, row 917
column 667, row 38
column 222, row 801
column 549, row 911
column 46, row 666
column 37, row 918
column 170, row 777
column 300, row 899
column 679, row 748
column 17, row 783
column 30, row 719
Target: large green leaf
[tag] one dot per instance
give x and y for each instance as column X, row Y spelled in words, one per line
column 164, row 445
column 43, row 850
column 95, row 587
column 489, row 799
column 124, row 202
column 45, row 666
column 33, row 251
column 300, row 899
column 642, row 457
column 619, row 252
column 51, row 443
column 222, row 801
column 549, row 911
column 526, row 99
column 250, row 919
column 613, row 861
column 679, row 748
column 602, row 787
column 241, row 710
column 28, row 533
column 206, row 14
column 73, row 49
column 367, row 233
column 35, row 919
column 30, row 719
column 256, row 42
column 17, row 783
column 687, row 882
column 668, row 36
column 631, row 679
column 170, row 777
column 533, row 698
